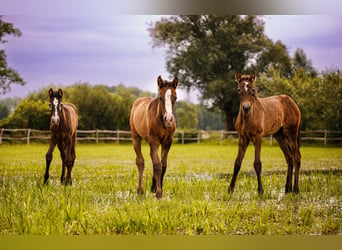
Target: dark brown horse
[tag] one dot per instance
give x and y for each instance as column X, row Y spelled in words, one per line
column 63, row 126
column 152, row 119
column 276, row 115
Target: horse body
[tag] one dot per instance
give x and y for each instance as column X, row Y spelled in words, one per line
column 258, row 117
column 152, row 119
column 63, row 127
column 281, row 107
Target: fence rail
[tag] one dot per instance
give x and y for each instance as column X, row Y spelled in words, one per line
column 180, row 136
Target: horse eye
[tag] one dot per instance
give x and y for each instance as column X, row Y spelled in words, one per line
column 160, row 97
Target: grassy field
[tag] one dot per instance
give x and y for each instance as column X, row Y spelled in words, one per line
column 103, row 197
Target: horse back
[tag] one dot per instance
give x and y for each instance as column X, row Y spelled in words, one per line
column 282, row 107
column 70, row 117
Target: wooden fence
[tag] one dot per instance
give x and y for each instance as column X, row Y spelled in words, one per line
column 180, row 136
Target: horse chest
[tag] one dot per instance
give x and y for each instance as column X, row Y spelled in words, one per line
column 163, row 135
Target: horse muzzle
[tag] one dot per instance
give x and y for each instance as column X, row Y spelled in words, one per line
column 168, row 120
column 246, row 107
column 55, row 120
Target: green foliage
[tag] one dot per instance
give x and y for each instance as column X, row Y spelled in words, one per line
column 4, row 110
column 186, row 115
column 103, row 199
column 29, row 114
column 8, row 75
column 274, row 55
column 100, row 109
column 318, row 97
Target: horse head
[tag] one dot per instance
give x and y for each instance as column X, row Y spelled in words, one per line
column 55, row 105
column 167, row 97
column 246, row 90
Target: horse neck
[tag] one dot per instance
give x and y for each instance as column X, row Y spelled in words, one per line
column 159, row 110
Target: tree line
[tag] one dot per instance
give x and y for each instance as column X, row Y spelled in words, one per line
column 100, row 107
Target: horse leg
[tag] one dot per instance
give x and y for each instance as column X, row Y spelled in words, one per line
column 297, row 159
column 243, row 143
column 69, row 160
column 257, row 163
column 287, row 153
column 48, row 158
column 139, row 162
column 164, row 153
column 61, row 150
column 293, row 139
column 157, row 168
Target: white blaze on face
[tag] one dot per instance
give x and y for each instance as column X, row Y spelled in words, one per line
column 55, row 117
column 168, row 116
column 168, row 103
column 246, row 84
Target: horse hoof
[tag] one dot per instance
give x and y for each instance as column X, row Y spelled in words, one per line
column 140, row 191
column 296, row 190
column 230, row 190
column 288, row 190
column 159, row 195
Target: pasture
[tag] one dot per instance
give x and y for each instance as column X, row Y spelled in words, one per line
column 103, row 199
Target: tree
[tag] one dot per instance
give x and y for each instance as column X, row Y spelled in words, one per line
column 274, row 55
column 29, row 114
column 186, row 115
column 300, row 61
column 4, row 110
column 206, row 51
column 8, row 75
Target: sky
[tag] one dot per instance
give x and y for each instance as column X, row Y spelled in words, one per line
column 113, row 49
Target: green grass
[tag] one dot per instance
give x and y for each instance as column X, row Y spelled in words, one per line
column 103, row 197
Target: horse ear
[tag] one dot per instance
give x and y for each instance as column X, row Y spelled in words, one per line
column 60, row 93
column 50, row 92
column 175, row 82
column 252, row 76
column 160, row 82
column 238, row 76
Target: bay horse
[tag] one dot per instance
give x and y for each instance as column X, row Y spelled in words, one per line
column 63, row 127
column 276, row 115
column 152, row 119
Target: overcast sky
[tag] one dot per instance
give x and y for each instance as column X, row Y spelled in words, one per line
column 114, row 49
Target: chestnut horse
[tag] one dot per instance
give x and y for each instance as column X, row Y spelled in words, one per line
column 276, row 115
column 63, row 126
column 152, row 119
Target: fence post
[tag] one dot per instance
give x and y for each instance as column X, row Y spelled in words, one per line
column 221, row 139
column 97, row 136
column 2, row 131
column 182, row 136
column 325, row 137
column 28, row 136
column 117, row 136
